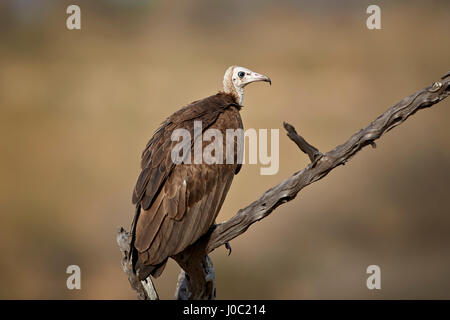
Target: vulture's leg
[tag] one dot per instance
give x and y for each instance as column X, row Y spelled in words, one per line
column 196, row 281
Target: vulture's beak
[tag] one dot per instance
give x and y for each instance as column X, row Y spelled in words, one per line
column 258, row 77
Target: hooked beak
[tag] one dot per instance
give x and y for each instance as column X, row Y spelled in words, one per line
column 258, row 77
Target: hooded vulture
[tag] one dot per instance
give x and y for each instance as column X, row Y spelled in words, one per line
column 176, row 203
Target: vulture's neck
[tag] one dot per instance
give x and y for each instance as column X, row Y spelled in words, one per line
column 238, row 93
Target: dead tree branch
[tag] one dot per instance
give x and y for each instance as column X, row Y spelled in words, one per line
column 310, row 150
column 197, row 279
column 145, row 289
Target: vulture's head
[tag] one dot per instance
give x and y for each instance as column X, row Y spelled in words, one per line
column 236, row 78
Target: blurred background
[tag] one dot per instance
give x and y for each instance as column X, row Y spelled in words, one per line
column 78, row 107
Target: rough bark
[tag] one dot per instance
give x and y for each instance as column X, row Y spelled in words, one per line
column 196, row 280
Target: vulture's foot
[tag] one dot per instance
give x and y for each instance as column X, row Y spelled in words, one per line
column 228, row 247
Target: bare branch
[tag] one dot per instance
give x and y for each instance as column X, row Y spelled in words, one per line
column 197, row 279
column 288, row 189
column 145, row 289
column 312, row 152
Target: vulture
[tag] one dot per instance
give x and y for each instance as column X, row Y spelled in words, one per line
column 177, row 203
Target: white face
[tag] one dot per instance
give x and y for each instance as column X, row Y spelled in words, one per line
column 243, row 76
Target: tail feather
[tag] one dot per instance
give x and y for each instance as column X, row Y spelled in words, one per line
column 132, row 253
column 143, row 271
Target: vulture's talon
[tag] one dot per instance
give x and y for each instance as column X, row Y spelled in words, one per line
column 228, row 247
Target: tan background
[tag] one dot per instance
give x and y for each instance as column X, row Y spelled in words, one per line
column 77, row 108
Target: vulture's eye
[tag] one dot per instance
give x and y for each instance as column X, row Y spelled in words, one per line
column 241, row 74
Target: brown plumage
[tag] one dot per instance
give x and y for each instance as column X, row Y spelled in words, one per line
column 177, row 203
